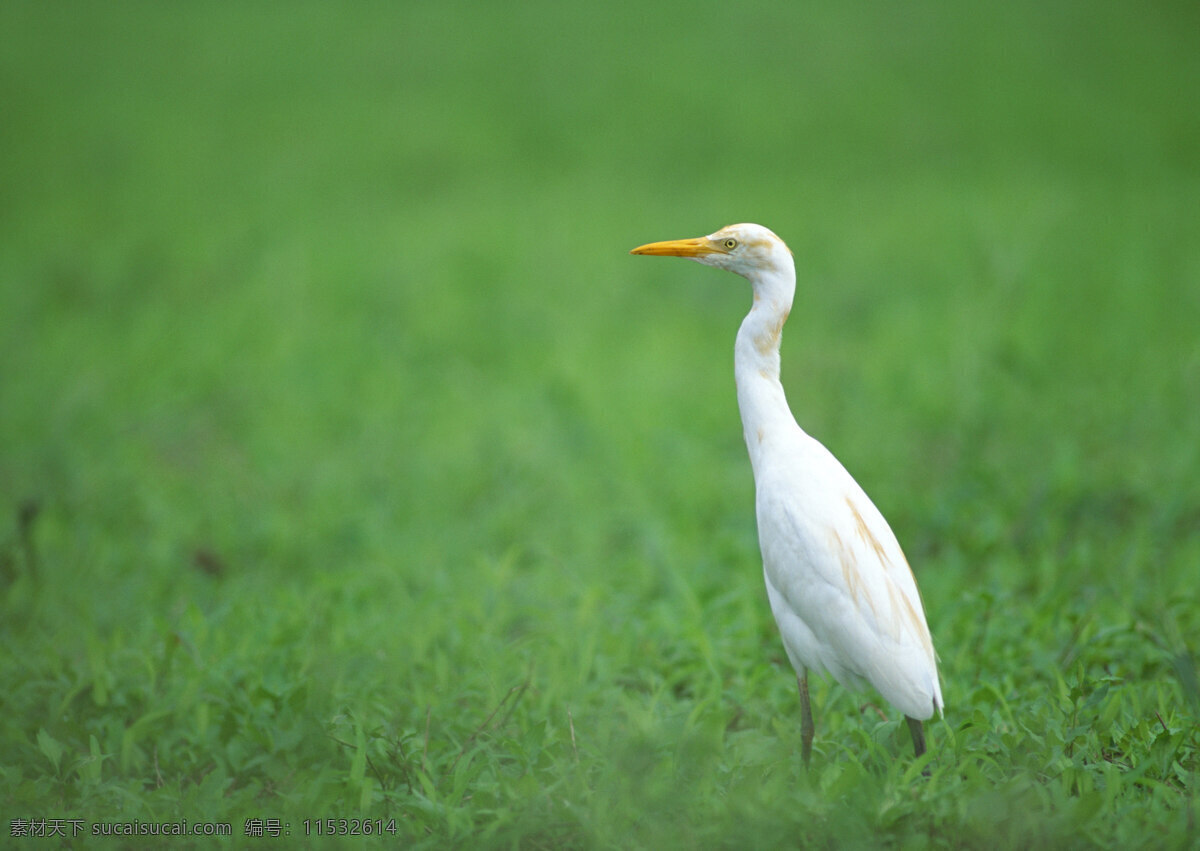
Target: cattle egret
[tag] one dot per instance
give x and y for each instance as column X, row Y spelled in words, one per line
column 840, row 588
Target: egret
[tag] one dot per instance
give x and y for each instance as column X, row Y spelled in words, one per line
column 842, row 593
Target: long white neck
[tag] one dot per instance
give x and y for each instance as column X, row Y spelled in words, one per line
column 766, row 417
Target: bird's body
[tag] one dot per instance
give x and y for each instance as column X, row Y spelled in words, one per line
column 839, row 586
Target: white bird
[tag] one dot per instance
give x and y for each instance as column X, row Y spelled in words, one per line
column 840, row 588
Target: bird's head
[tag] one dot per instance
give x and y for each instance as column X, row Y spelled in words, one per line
column 751, row 251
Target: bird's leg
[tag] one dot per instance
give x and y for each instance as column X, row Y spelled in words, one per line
column 806, row 719
column 918, row 735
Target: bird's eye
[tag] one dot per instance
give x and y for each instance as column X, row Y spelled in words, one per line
column 730, row 244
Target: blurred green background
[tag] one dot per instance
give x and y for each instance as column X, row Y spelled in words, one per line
column 350, row 467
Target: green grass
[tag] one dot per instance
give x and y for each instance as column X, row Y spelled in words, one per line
column 349, row 468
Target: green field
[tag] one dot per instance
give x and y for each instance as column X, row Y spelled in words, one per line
column 350, row 467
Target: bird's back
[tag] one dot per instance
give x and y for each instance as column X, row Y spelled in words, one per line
column 840, row 587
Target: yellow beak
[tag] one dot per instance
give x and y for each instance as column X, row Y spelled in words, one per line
column 697, row 247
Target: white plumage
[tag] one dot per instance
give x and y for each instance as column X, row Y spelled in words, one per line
column 840, row 588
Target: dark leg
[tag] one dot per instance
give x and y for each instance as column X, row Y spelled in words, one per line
column 918, row 735
column 806, row 719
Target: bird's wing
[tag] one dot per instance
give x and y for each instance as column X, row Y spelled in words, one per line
column 834, row 565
